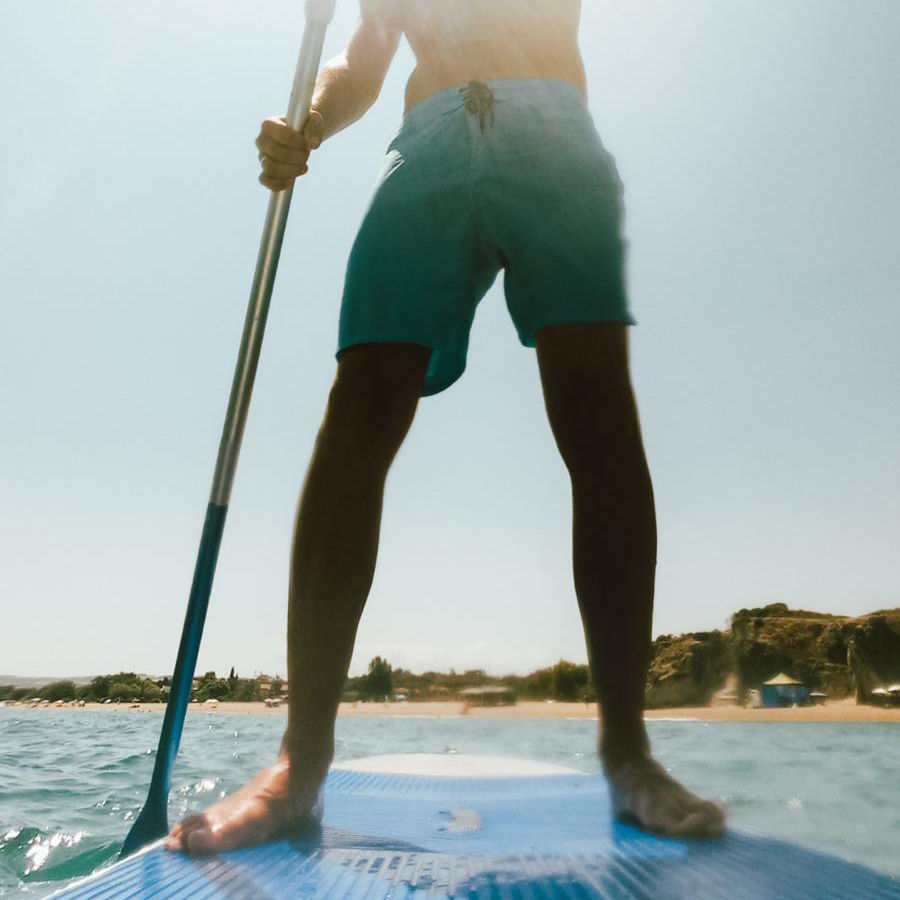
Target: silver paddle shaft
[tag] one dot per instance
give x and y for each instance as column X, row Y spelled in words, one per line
column 318, row 17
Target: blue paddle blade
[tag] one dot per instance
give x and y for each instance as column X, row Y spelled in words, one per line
column 152, row 823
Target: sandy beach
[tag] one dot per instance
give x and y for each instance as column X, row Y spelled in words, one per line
column 835, row 711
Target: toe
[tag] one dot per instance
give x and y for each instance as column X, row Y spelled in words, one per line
column 173, row 839
column 186, row 824
column 705, row 820
column 186, row 828
column 715, row 818
column 654, row 821
column 200, row 840
column 176, row 835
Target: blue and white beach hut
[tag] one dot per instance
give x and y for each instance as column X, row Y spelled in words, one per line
column 782, row 690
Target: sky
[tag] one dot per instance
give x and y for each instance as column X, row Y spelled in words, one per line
column 758, row 143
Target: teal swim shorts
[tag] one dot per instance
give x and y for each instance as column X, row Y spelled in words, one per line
column 509, row 174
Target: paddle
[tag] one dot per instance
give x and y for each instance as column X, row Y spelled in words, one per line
column 152, row 823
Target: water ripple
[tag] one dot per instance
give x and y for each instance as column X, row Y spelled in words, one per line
column 72, row 781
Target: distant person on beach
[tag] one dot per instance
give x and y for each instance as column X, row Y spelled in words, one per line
column 497, row 166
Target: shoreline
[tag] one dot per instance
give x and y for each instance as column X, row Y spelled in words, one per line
column 837, row 711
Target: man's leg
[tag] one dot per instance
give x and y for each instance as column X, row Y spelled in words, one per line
column 370, row 409
column 592, row 412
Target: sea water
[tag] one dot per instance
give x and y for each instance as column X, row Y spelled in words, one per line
column 72, row 781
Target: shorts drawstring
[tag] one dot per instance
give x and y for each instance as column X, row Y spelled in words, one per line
column 479, row 99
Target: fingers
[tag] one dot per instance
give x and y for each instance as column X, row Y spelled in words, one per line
column 284, row 151
column 314, row 130
column 287, row 155
column 279, row 177
column 277, row 128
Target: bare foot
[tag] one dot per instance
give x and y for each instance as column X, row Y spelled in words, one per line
column 644, row 794
column 265, row 808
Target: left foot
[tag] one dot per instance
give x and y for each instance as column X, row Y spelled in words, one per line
column 268, row 807
column 644, row 794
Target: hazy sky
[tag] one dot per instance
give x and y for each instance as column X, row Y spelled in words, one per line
column 758, row 142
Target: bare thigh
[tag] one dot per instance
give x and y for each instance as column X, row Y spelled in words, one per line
column 375, row 393
column 587, row 389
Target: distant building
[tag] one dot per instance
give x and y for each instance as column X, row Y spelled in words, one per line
column 265, row 683
column 489, row 695
column 782, row 690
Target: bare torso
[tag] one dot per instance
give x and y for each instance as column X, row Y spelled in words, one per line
column 457, row 41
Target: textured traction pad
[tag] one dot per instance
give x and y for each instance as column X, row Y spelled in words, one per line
column 390, row 837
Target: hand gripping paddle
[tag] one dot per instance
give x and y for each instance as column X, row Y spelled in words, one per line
column 152, row 823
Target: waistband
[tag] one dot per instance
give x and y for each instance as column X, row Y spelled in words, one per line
column 534, row 90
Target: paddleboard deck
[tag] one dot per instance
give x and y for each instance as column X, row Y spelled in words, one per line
column 479, row 828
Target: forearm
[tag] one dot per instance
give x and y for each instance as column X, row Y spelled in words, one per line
column 340, row 96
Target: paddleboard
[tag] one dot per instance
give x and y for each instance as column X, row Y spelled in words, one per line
column 420, row 826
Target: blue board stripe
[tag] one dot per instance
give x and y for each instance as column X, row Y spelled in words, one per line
column 542, row 838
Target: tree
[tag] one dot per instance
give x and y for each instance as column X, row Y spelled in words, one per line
column 122, row 690
column 99, row 687
column 150, row 692
column 247, row 689
column 214, row 689
column 539, row 684
column 588, row 693
column 569, row 681
column 59, row 690
column 379, row 683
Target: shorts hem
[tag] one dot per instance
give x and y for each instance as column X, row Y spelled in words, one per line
column 439, row 381
column 344, row 343
column 527, row 338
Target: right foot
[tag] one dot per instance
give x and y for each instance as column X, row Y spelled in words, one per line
column 269, row 806
column 644, row 794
